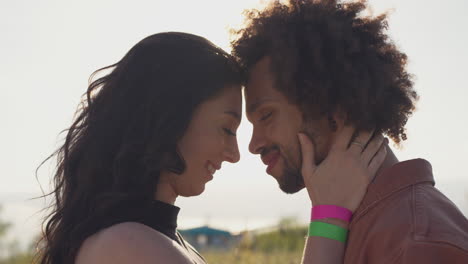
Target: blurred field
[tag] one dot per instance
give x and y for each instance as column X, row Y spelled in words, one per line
column 281, row 245
column 22, row 258
column 252, row 257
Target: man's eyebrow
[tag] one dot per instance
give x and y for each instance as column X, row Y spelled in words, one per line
column 254, row 106
column 234, row 114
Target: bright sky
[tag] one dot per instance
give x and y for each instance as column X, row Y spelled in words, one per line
column 49, row 49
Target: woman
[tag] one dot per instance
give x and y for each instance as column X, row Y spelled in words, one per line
column 156, row 127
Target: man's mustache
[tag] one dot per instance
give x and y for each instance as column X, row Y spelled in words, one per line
column 267, row 150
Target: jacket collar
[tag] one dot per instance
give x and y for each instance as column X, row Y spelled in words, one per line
column 394, row 179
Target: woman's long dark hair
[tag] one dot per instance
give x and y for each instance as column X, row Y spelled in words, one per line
column 125, row 133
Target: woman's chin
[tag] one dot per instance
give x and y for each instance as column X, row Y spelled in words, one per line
column 195, row 191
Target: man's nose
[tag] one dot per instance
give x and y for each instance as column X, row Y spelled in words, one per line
column 257, row 142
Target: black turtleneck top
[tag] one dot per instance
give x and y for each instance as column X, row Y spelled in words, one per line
column 158, row 215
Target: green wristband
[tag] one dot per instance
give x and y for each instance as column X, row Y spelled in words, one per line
column 330, row 231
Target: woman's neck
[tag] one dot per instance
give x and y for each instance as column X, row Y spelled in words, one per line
column 165, row 191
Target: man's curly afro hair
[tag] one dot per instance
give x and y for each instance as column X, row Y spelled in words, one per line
column 326, row 56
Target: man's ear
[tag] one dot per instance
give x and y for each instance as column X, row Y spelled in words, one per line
column 337, row 120
column 332, row 124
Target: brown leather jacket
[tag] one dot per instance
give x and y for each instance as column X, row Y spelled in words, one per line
column 404, row 219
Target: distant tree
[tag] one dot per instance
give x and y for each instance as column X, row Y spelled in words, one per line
column 10, row 252
column 288, row 236
column 4, row 226
column 288, row 223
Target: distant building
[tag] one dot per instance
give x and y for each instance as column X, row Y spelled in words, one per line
column 207, row 238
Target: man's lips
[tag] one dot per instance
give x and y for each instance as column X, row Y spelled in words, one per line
column 270, row 160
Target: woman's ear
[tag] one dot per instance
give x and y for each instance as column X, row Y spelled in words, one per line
column 174, row 162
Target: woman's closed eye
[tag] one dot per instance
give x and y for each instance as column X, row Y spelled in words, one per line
column 229, row 132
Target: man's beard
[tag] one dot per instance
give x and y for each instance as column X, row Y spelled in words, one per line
column 290, row 181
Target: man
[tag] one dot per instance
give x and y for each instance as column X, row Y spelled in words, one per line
column 314, row 66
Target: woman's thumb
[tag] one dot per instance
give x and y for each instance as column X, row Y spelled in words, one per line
column 308, row 154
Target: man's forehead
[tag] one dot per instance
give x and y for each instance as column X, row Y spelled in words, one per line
column 260, row 94
column 260, row 72
column 259, row 88
column 259, row 83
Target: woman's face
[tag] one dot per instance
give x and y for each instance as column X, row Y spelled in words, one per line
column 209, row 140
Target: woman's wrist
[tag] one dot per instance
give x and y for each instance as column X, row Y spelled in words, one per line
column 334, row 221
column 331, row 211
column 330, row 221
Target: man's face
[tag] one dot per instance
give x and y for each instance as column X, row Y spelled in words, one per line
column 276, row 123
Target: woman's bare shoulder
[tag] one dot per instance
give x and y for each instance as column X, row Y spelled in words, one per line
column 130, row 242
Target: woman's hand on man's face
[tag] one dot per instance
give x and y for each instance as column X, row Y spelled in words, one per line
column 343, row 176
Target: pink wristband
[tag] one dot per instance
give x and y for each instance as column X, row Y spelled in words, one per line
column 331, row 211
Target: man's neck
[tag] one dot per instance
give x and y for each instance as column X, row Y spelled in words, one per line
column 389, row 161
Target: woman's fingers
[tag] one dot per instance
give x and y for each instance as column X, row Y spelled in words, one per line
column 343, row 176
column 377, row 161
column 344, row 136
column 359, row 143
column 308, row 154
column 372, row 148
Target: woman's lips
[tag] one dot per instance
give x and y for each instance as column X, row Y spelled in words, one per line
column 211, row 169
